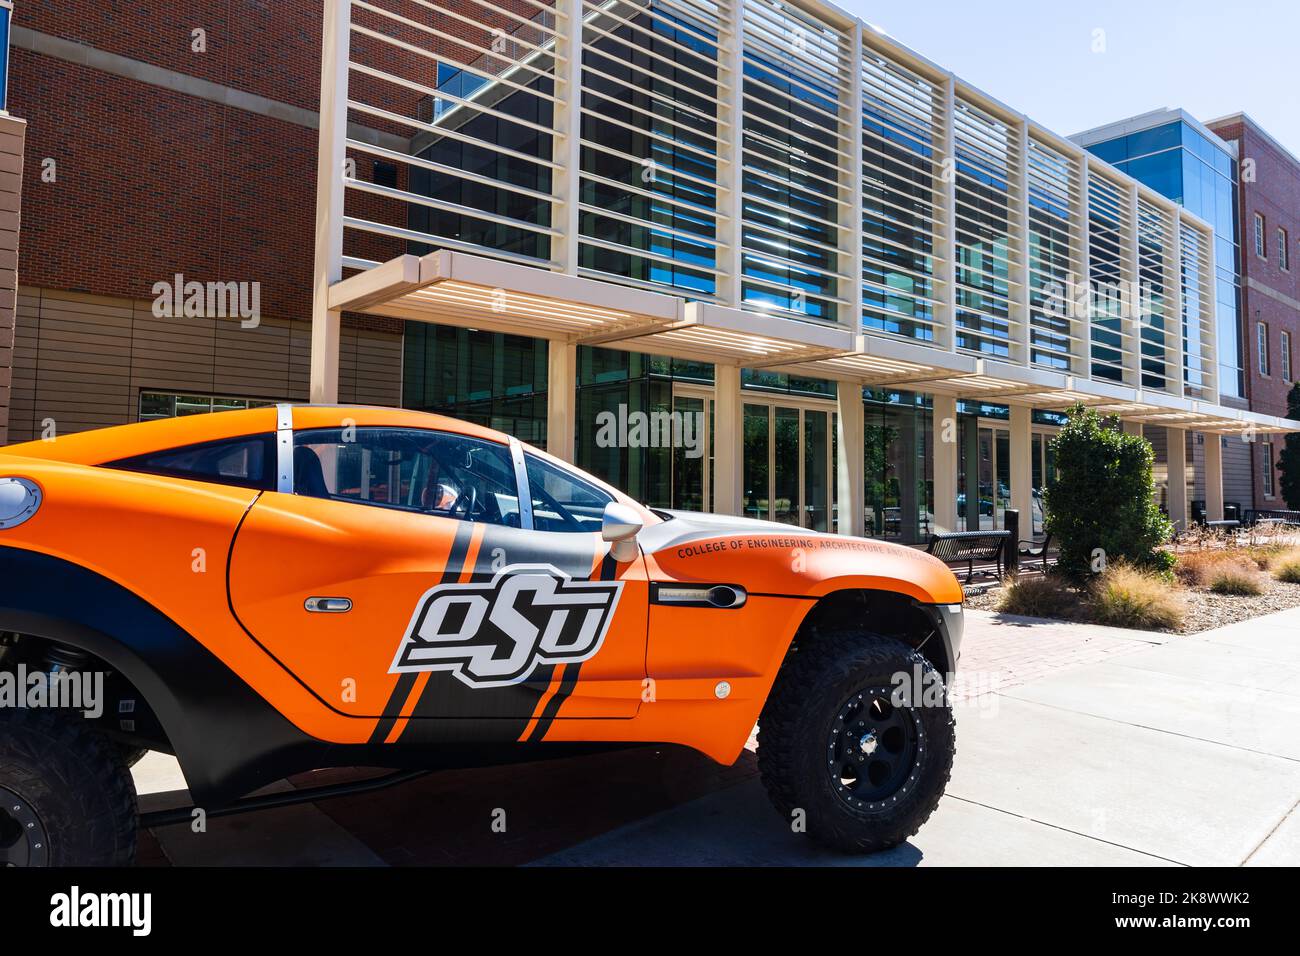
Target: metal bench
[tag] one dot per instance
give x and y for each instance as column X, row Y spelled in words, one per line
column 1223, row 525
column 970, row 546
column 1029, row 549
column 1274, row 516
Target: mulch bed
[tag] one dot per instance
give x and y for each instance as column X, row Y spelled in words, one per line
column 1205, row 609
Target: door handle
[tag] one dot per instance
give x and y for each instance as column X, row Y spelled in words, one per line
column 328, row 605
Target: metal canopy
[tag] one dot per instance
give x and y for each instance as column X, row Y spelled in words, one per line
column 457, row 288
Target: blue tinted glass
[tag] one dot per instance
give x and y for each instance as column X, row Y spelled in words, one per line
column 1192, row 174
column 1225, row 164
column 1223, row 207
column 1162, row 172
column 1152, row 140
column 1199, row 145
column 1112, row 150
column 4, row 56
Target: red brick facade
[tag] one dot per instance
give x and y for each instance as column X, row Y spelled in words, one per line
column 151, row 181
column 1270, row 188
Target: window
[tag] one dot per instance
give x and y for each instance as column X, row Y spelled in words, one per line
column 412, row 469
column 155, row 405
column 385, row 174
column 1260, row 249
column 1268, row 468
column 1284, row 348
column 6, row 11
column 562, row 501
column 1283, row 251
column 1261, row 343
column 243, row 462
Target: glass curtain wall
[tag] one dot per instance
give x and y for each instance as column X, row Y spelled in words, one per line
column 1180, row 162
column 649, row 151
column 488, row 378
column 624, row 400
column 900, row 128
column 796, row 76
column 489, row 157
column 899, row 466
column 1107, row 221
column 1053, row 183
column 986, row 149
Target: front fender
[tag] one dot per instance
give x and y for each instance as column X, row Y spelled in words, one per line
column 807, row 565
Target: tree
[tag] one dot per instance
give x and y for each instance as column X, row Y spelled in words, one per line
column 1103, row 497
column 1288, row 463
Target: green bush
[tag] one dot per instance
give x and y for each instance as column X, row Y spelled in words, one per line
column 1103, row 497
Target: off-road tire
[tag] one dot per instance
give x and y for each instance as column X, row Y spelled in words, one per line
column 61, row 777
column 825, row 674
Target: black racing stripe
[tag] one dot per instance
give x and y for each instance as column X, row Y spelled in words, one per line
column 608, row 571
column 451, row 572
column 497, row 713
column 567, row 683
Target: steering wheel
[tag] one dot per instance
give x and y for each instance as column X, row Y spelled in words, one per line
column 467, row 503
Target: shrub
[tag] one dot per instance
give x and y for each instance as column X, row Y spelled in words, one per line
column 1288, row 464
column 1039, row 596
column 1236, row 579
column 1125, row 596
column 1204, row 568
column 1265, row 555
column 1198, row 567
column 1103, row 497
column 1287, row 568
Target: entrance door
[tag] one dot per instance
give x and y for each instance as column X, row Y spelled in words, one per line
column 788, row 464
column 692, row 476
column 984, row 488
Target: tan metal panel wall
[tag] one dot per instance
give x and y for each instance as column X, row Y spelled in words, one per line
column 81, row 361
column 13, row 133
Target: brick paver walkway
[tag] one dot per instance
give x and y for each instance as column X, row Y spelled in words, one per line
column 1001, row 651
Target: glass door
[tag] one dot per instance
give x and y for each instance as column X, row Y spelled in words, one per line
column 785, row 466
column 788, row 464
column 757, row 494
column 692, row 474
column 817, row 466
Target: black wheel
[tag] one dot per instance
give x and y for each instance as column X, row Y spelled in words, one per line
column 864, row 756
column 66, row 797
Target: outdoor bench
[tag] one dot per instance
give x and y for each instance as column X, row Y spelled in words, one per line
column 970, row 546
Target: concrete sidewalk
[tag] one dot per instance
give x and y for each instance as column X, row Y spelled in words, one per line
column 1118, row 748
column 1075, row 745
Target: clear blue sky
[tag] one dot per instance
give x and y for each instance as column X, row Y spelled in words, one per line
column 1210, row 58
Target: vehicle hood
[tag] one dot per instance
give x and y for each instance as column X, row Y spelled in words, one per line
column 769, row 557
column 684, row 527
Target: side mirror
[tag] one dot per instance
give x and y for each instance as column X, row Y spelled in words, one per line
column 619, row 525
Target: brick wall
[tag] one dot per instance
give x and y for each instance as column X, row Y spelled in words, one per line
column 1270, row 294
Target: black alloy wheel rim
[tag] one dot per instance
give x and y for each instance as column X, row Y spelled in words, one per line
column 875, row 751
column 23, row 839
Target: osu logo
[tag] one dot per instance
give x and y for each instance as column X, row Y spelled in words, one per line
column 496, row 634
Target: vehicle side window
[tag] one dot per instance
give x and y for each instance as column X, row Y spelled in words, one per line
column 244, row 462
column 413, row 469
column 562, row 501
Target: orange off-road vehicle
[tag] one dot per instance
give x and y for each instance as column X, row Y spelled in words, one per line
column 271, row 591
